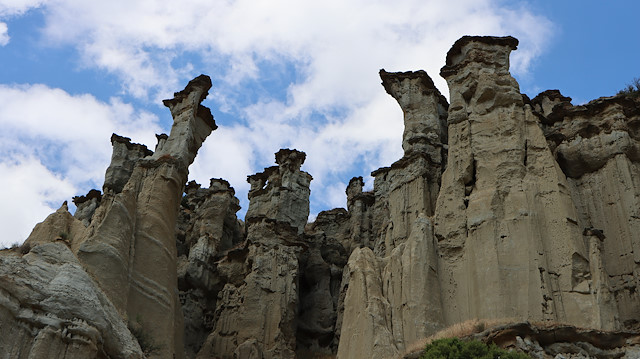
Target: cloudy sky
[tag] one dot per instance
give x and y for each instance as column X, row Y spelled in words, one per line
column 286, row 73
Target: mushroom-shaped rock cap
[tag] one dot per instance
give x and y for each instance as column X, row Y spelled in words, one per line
column 457, row 53
column 292, row 159
column 389, row 78
column 201, row 83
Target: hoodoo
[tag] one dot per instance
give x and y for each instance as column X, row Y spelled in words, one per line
column 501, row 208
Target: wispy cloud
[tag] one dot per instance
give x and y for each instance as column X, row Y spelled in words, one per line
column 4, row 34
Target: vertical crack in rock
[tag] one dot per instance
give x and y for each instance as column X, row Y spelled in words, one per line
column 206, row 231
column 597, row 147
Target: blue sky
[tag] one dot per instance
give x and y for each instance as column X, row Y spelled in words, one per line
column 285, row 74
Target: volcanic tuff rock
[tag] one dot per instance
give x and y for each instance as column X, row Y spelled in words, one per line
column 128, row 252
column 530, row 194
column 256, row 315
column 501, row 206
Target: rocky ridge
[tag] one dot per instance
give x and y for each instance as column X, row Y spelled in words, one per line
column 501, row 206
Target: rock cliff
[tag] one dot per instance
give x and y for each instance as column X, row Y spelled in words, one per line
column 500, row 207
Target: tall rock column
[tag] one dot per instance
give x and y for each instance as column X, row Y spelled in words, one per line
column 130, row 247
column 414, row 180
column 393, row 291
column 256, row 313
column 508, row 238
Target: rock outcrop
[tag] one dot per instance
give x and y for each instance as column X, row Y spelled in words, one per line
column 112, row 271
column 257, row 307
column 207, row 229
column 500, row 207
column 516, row 217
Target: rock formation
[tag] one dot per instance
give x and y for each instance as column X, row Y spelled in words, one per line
column 256, row 309
column 121, row 269
column 500, row 207
column 530, row 192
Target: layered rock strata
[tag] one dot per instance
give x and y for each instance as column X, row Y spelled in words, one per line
column 206, row 230
column 597, row 147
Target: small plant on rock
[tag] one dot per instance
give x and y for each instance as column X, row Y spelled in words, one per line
column 454, row 348
column 631, row 89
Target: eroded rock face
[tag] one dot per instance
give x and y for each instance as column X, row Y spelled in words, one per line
column 287, row 184
column 500, row 207
column 256, row 310
column 403, row 261
column 206, row 230
column 124, row 158
column 521, row 213
column 51, row 308
column 86, row 283
column 597, row 147
column 505, row 221
column 86, row 206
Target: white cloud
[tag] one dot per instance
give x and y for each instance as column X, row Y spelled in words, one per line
column 30, row 193
column 18, row 7
column 4, row 34
column 60, row 140
column 333, row 106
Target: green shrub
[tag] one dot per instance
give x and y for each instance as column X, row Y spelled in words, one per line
column 631, row 89
column 454, row 348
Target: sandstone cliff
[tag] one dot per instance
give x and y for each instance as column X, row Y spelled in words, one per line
column 501, row 207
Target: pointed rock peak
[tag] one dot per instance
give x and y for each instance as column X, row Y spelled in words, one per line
column 195, row 92
column 291, row 159
column 492, row 51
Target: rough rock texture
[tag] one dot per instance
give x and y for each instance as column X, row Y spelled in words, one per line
column 535, row 215
column 320, row 276
column 130, row 245
column 206, row 230
column 86, row 206
column 597, row 147
column 124, row 158
column 390, row 282
column 501, row 207
column 505, row 221
column 51, row 308
column 257, row 307
column 86, row 280
column 281, row 192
